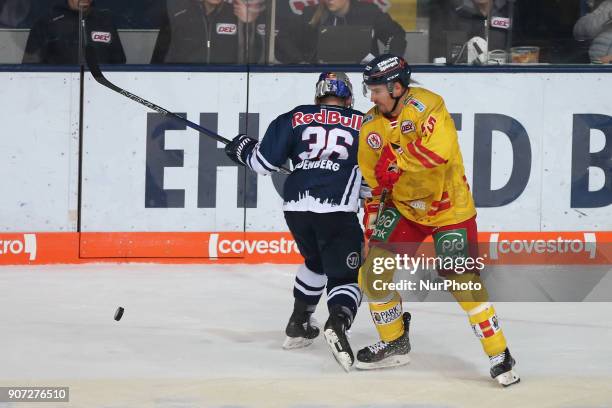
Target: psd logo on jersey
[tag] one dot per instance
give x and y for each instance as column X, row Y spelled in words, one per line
column 352, row 260
column 226, row 28
column 374, row 140
column 407, row 127
column 101, row 36
column 451, row 243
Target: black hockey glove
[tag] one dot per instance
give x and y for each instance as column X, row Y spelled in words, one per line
column 239, row 148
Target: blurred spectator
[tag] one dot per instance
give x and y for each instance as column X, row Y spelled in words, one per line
column 597, row 26
column 55, row 39
column 13, row 12
column 297, row 40
column 457, row 21
column 211, row 32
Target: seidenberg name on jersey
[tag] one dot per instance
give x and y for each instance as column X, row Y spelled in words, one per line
column 318, row 164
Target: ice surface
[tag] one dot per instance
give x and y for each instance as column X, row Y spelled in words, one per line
column 210, row 336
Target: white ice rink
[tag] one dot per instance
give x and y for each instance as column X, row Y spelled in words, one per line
column 210, row 336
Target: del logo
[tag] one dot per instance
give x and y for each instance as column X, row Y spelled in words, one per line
column 226, row 28
column 261, row 29
column 27, row 245
column 500, row 22
column 407, row 127
column 101, row 36
column 374, row 141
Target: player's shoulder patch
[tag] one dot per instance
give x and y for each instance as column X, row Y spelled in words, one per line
column 374, row 140
column 412, row 101
column 426, row 97
column 368, row 118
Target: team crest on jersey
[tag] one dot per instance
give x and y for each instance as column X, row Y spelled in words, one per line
column 418, row 105
column 407, row 127
column 374, row 140
column 101, row 36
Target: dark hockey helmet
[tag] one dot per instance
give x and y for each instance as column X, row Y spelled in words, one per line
column 386, row 69
column 334, row 84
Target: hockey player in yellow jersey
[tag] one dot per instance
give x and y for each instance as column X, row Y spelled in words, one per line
column 409, row 155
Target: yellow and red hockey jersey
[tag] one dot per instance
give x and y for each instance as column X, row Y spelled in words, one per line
column 432, row 189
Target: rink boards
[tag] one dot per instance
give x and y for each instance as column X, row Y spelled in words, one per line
column 537, row 150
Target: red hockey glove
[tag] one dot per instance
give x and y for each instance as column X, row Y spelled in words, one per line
column 370, row 212
column 386, row 170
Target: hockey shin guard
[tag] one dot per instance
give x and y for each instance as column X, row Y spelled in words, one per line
column 481, row 313
column 388, row 318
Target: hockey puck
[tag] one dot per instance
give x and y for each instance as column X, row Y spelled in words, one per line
column 119, row 313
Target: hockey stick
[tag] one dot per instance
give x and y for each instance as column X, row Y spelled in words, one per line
column 381, row 206
column 94, row 68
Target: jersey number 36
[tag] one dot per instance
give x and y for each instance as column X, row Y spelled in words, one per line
column 325, row 144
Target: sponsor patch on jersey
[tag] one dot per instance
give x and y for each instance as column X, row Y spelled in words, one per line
column 327, row 117
column 226, row 28
column 101, row 36
column 374, row 140
column 352, row 260
column 407, row 127
column 261, row 29
column 367, row 118
column 500, row 22
column 418, row 204
column 388, row 316
column 418, row 105
column 451, row 243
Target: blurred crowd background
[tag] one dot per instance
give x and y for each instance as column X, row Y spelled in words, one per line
column 273, row 32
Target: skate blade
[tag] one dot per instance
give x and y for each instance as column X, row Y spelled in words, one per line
column 342, row 357
column 291, row 343
column 393, row 361
column 508, row 378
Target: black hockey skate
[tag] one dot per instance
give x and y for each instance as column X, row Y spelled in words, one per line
column 386, row 354
column 502, row 369
column 335, row 335
column 301, row 329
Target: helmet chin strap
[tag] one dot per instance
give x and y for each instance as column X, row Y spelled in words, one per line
column 395, row 98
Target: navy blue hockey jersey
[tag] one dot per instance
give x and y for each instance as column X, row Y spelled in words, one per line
column 321, row 141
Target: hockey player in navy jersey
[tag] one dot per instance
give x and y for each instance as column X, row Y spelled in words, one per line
column 320, row 204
